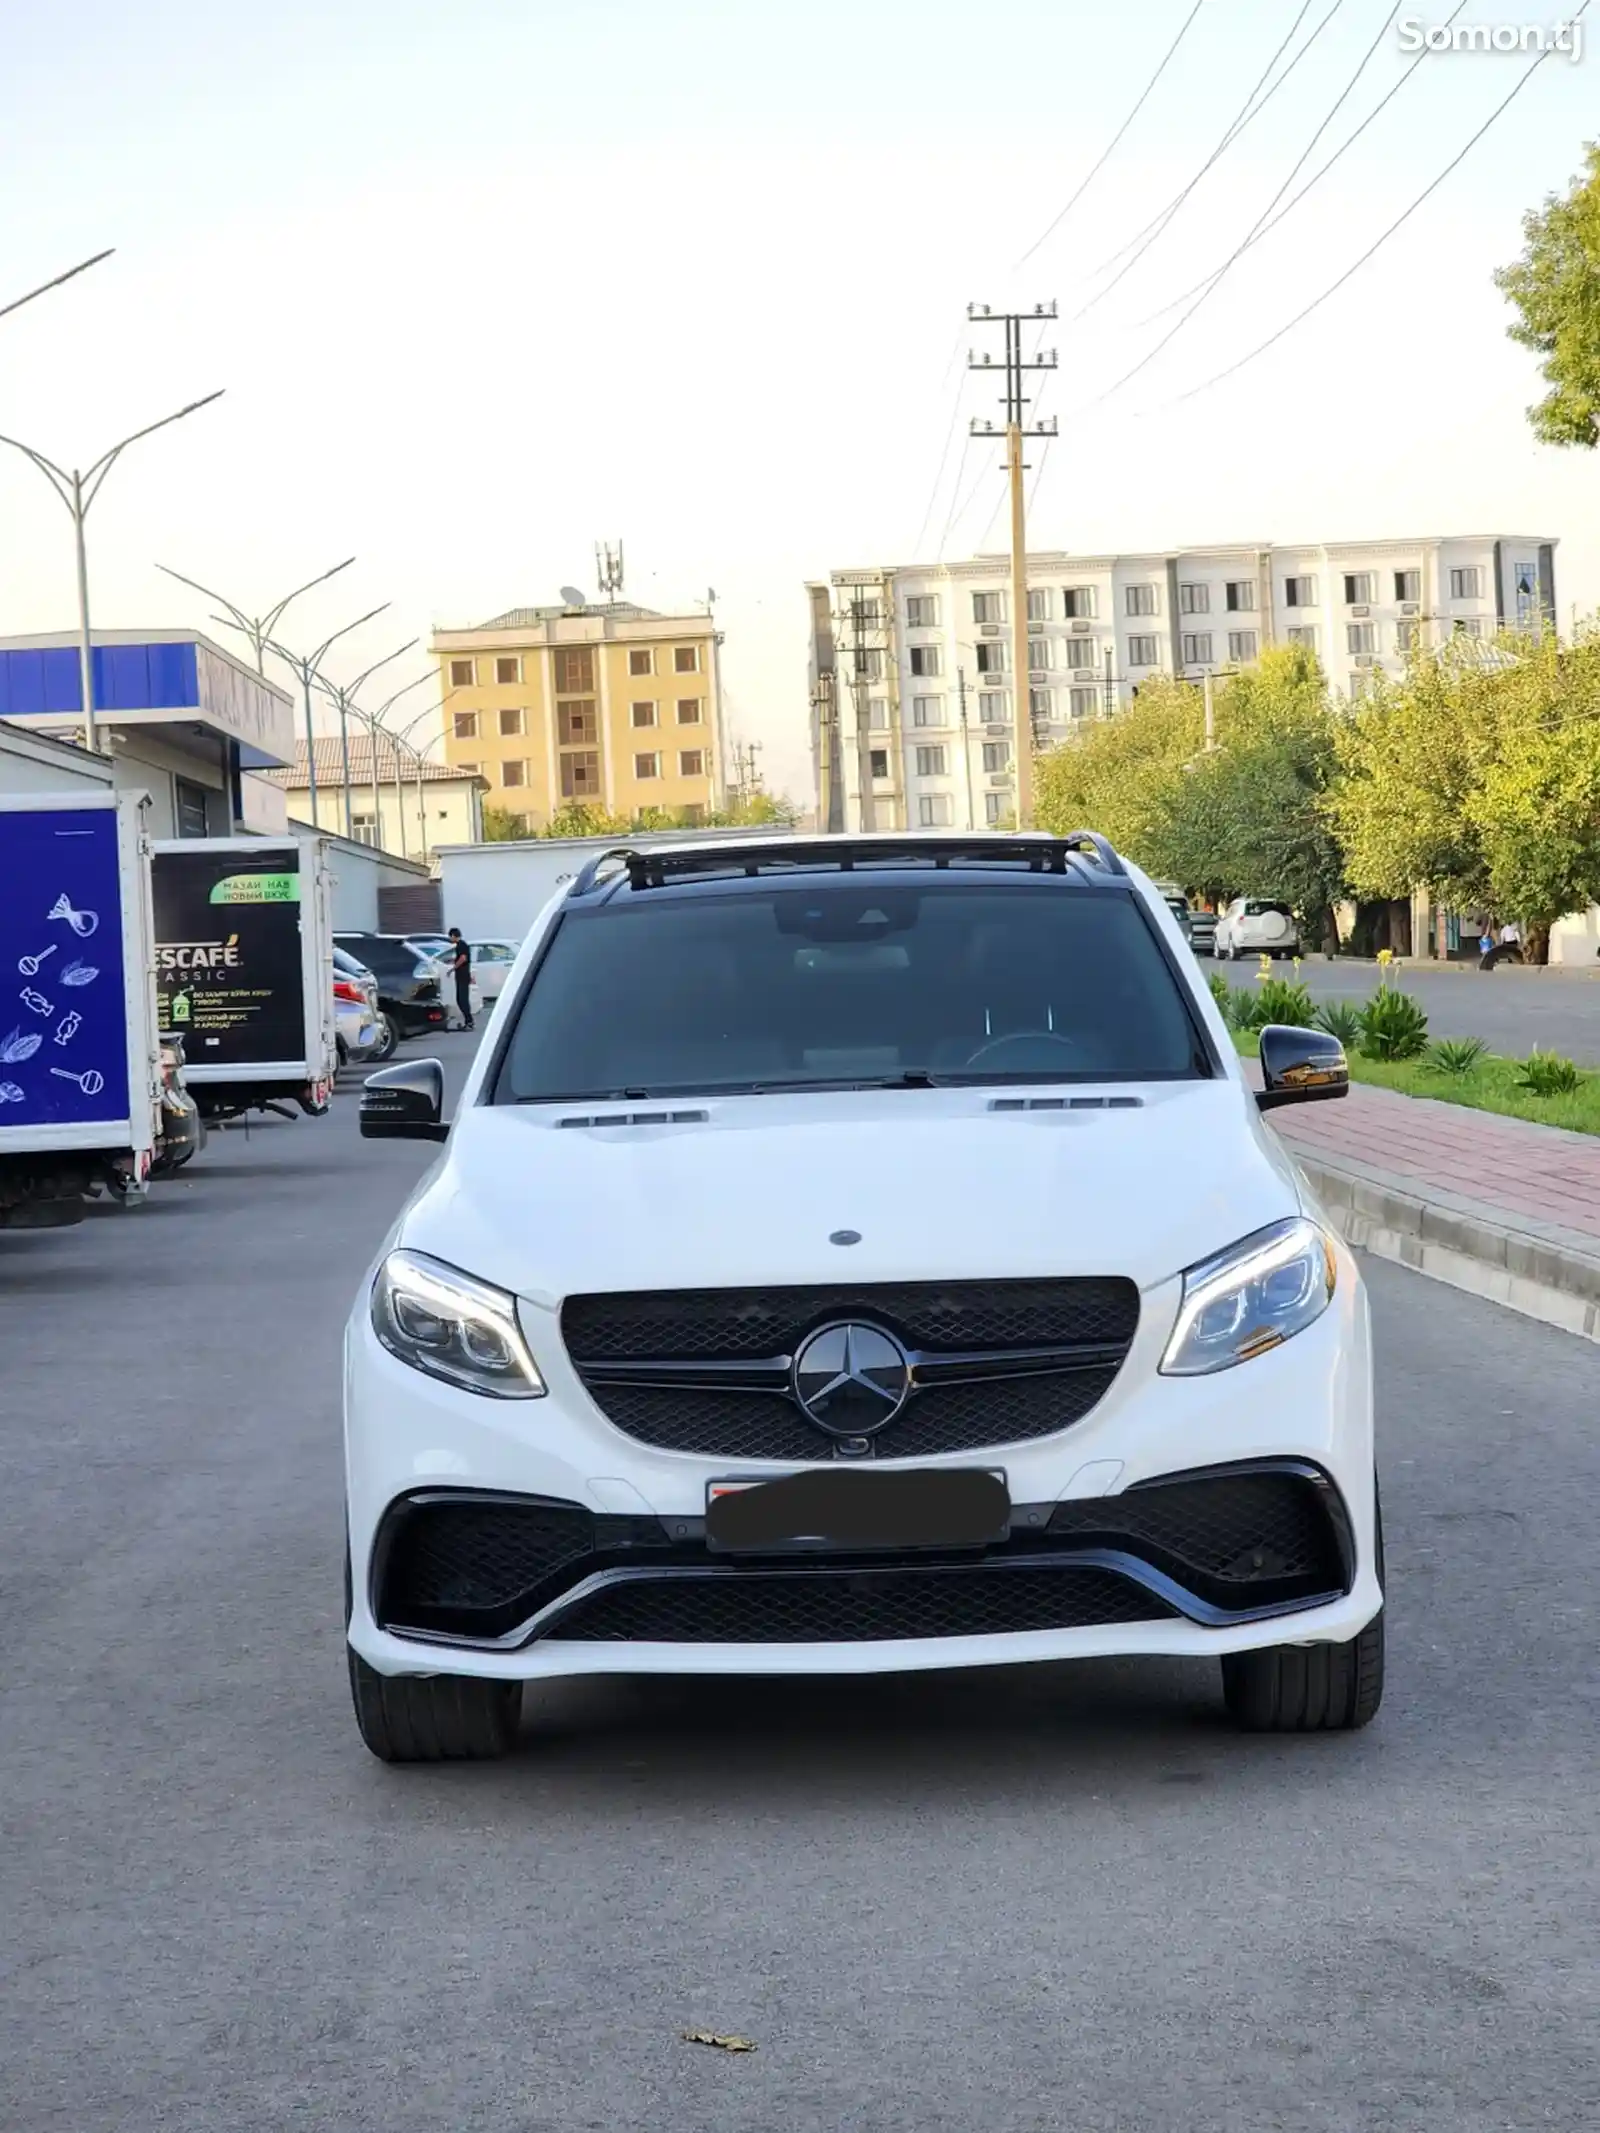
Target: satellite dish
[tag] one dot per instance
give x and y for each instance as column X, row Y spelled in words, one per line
column 572, row 596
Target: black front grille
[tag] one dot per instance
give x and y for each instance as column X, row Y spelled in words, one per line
column 931, row 1318
column 702, row 1324
column 939, row 1418
column 481, row 1567
column 854, row 1607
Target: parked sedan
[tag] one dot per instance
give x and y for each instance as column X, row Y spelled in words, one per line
column 362, row 1031
column 183, row 1130
column 1203, row 932
column 410, row 992
column 1253, row 926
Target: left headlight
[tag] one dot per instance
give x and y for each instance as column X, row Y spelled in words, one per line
column 1252, row 1297
column 454, row 1327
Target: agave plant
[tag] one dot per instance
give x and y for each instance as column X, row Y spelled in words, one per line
column 1549, row 1074
column 1341, row 1019
column 1393, row 1026
column 1457, row 1055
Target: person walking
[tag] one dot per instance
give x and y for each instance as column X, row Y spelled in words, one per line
column 461, row 970
column 1486, row 946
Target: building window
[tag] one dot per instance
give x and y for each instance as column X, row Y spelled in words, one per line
column 1078, row 603
column 508, row 672
column 990, row 608
column 693, row 815
column 1193, row 600
column 647, row 766
column 1196, row 648
column 930, row 762
column 1041, row 705
column 994, row 657
column 878, row 714
column 463, row 673
column 1361, row 636
column 467, row 770
column 934, row 811
column 1240, row 594
column 1143, row 599
column 1299, row 592
column 994, row 706
column 1408, row 586
column 1039, row 605
column 644, row 714
column 364, row 829
column 686, row 659
column 577, row 725
column 574, row 670
column 580, row 776
column 996, row 807
column 866, row 661
column 511, row 720
column 1143, row 651
column 1041, row 654
column 1084, row 702
column 927, row 710
column 1360, row 587
column 1468, row 626
column 466, row 725
column 189, row 806
column 866, row 614
column 1080, row 653
column 925, row 660
column 1466, row 584
column 513, row 773
column 1242, row 646
column 1406, row 636
column 691, row 763
column 996, row 755
column 878, row 762
column 1303, row 633
column 689, row 709
column 922, row 611
column 641, row 659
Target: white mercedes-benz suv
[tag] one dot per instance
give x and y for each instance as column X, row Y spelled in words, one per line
column 852, row 1255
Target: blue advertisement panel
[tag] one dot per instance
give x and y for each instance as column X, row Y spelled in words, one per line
column 63, row 1010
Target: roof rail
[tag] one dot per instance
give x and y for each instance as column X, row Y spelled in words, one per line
column 1040, row 853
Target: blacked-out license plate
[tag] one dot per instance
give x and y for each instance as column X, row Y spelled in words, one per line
column 931, row 1507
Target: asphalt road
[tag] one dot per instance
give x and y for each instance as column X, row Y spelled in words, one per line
column 1067, row 1899
column 1511, row 1010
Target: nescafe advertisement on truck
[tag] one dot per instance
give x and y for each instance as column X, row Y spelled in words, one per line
column 228, row 960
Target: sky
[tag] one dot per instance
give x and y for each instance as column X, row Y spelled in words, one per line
column 488, row 283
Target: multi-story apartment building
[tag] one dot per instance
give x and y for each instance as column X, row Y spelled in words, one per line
column 913, row 714
column 614, row 706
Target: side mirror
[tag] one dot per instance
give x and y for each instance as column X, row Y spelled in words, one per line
column 405, row 1103
column 1300, row 1066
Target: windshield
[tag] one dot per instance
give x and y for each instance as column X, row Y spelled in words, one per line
column 843, row 985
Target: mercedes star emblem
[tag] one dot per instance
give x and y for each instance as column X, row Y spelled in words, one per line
column 851, row 1379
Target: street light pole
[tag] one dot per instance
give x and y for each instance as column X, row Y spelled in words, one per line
column 45, row 287
column 78, row 490
column 344, row 699
column 304, row 669
column 259, row 629
column 376, row 722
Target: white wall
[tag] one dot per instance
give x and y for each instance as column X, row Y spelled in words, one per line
column 356, row 873
column 29, row 763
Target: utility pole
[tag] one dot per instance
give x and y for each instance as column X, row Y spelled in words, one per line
column 859, row 678
column 966, row 746
column 1111, row 678
column 1016, row 429
column 608, row 569
column 1209, row 691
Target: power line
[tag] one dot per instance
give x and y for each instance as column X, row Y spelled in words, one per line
column 1400, row 220
column 1266, row 229
column 956, row 512
column 1248, row 110
column 1110, row 150
column 1211, row 286
column 949, row 439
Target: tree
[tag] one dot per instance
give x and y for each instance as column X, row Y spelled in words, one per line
column 1119, row 775
column 582, row 818
column 500, row 826
column 1478, row 777
column 1555, row 286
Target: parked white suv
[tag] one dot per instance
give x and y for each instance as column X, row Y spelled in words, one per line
column 1252, row 926
column 852, row 1256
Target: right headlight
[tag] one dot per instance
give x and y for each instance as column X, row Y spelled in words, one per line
column 454, row 1327
column 1252, row 1297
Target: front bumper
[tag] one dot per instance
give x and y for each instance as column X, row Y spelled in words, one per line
column 525, row 1540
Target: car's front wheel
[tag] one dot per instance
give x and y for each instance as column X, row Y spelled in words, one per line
column 388, row 1038
column 1310, row 1688
column 433, row 1718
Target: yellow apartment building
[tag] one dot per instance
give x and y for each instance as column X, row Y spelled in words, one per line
column 612, row 706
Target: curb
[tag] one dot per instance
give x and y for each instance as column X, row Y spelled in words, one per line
column 1535, row 1268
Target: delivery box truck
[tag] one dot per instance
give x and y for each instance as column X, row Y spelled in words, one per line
column 244, row 970
column 80, row 1051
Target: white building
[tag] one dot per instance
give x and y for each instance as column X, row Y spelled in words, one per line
column 911, row 684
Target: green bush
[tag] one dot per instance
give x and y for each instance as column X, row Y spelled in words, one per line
column 1549, row 1074
column 1393, row 1026
column 1244, row 1009
column 1222, row 993
column 1284, row 1000
column 1457, row 1055
column 1341, row 1019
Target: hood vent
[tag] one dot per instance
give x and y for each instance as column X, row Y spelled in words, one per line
column 640, row 1118
column 1067, row 1103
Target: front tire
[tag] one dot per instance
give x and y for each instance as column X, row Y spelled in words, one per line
column 388, row 1040
column 436, row 1718
column 1310, row 1688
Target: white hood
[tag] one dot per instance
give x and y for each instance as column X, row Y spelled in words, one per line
column 938, row 1184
